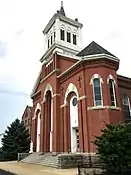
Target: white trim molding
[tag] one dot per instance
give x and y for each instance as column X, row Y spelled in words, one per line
column 62, row 106
column 103, row 107
column 38, row 107
column 100, row 56
column 82, row 97
column 71, row 88
column 114, row 90
column 55, row 95
column 97, row 76
column 48, row 88
column 110, row 77
column 94, row 77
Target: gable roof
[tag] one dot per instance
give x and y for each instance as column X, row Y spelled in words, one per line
column 28, row 108
column 92, row 49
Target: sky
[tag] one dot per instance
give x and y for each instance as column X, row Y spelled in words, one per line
column 106, row 22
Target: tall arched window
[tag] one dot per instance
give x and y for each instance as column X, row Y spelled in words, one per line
column 62, row 34
column 48, row 43
column 74, row 38
column 97, row 92
column 112, row 92
column 126, row 107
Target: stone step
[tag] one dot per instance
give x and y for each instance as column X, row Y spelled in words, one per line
column 50, row 164
column 42, row 159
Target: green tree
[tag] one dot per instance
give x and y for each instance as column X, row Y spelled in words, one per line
column 15, row 140
column 114, row 147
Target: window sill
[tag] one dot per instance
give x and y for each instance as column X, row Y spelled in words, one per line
column 113, row 108
column 103, row 107
column 96, row 107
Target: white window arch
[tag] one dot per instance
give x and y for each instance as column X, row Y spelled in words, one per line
column 74, row 37
column 96, row 82
column 71, row 88
column 38, row 107
column 48, row 88
column 62, row 32
column 126, row 107
column 112, row 93
column 68, row 34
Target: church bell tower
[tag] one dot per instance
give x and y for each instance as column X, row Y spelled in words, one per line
column 62, row 34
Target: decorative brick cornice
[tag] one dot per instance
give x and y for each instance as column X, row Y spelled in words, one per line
column 89, row 62
column 36, row 95
column 124, row 82
column 54, row 71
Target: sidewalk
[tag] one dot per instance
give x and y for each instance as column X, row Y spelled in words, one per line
column 32, row 169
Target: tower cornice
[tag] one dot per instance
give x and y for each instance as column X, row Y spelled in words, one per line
column 62, row 18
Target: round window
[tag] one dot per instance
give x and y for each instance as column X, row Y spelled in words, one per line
column 74, row 101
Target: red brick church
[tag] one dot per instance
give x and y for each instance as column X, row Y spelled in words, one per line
column 77, row 90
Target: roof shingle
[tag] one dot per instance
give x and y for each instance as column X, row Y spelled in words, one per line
column 92, row 49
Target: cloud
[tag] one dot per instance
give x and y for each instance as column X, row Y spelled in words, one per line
column 22, row 41
column 3, row 49
column 114, row 35
column 11, row 107
column 15, row 93
column 19, row 32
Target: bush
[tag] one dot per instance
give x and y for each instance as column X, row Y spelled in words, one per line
column 114, row 148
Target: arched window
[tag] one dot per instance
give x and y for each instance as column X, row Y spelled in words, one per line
column 74, row 39
column 126, row 107
column 97, row 92
column 68, row 37
column 48, row 43
column 54, row 35
column 62, row 34
column 112, row 92
column 68, row 34
column 51, row 40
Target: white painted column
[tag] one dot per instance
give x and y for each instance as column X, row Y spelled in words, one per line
column 51, row 125
column 38, row 133
column 57, row 27
column 79, row 38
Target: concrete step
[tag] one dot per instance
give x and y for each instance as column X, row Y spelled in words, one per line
column 42, row 159
column 50, row 164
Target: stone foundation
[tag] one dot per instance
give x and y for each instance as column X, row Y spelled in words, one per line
column 73, row 160
column 22, row 156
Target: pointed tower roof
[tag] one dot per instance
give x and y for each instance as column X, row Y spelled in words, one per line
column 60, row 14
column 62, row 11
column 92, row 49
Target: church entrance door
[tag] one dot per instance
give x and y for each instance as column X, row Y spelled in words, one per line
column 74, row 129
